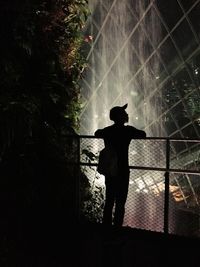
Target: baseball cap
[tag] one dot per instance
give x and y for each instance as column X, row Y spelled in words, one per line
column 116, row 111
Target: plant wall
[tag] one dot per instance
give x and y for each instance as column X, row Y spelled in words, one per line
column 41, row 66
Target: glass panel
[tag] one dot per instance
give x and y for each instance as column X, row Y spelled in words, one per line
column 178, row 147
column 152, row 28
column 177, row 135
column 180, row 115
column 169, row 92
column 141, row 44
column 189, row 132
column 197, row 126
column 184, row 39
column 90, row 80
column 170, row 125
column 195, row 19
column 194, row 67
column 86, row 93
column 139, row 84
column 133, row 61
column 138, row 7
column 183, row 82
column 169, row 55
column 99, row 14
column 187, row 4
column 107, row 4
column 157, row 68
column 192, row 103
column 170, row 11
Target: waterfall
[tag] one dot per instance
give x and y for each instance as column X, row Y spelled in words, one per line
column 124, row 68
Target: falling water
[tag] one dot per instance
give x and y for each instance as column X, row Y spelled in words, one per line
column 123, row 68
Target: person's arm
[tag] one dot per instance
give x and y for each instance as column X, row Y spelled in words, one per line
column 99, row 133
column 142, row 134
column 136, row 133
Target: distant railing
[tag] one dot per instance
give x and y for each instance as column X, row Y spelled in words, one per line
column 164, row 190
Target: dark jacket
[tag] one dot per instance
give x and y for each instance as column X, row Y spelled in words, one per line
column 119, row 138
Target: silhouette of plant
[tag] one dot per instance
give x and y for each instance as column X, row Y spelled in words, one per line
column 92, row 193
column 40, row 68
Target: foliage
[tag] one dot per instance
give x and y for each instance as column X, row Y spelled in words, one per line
column 92, row 206
column 41, row 66
column 93, row 192
column 42, row 62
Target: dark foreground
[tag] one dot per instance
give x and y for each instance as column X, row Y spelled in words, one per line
column 93, row 245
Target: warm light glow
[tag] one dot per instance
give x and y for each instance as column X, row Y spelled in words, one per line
column 175, row 190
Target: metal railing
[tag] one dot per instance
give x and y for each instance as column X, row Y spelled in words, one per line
column 164, row 190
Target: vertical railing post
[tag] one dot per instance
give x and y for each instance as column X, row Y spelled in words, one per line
column 166, row 200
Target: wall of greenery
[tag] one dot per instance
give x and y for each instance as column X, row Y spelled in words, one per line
column 40, row 69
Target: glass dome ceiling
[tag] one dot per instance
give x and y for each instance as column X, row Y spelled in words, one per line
column 146, row 54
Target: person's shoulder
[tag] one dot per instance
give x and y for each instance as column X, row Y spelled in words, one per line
column 103, row 131
column 109, row 127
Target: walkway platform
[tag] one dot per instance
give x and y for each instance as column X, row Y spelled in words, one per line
column 92, row 245
column 126, row 247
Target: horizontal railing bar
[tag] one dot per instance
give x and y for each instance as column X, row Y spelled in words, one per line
column 171, row 170
column 147, row 138
column 184, row 171
column 166, row 170
column 130, row 167
column 147, row 168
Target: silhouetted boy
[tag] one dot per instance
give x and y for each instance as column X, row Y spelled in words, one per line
column 118, row 137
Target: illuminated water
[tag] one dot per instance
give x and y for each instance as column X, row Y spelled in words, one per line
column 123, row 65
column 124, row 68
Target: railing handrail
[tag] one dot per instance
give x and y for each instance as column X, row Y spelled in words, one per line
column 188, row 139
column 166, row 170
column 172, row 170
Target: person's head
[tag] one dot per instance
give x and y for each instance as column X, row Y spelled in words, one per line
column 119, row 115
